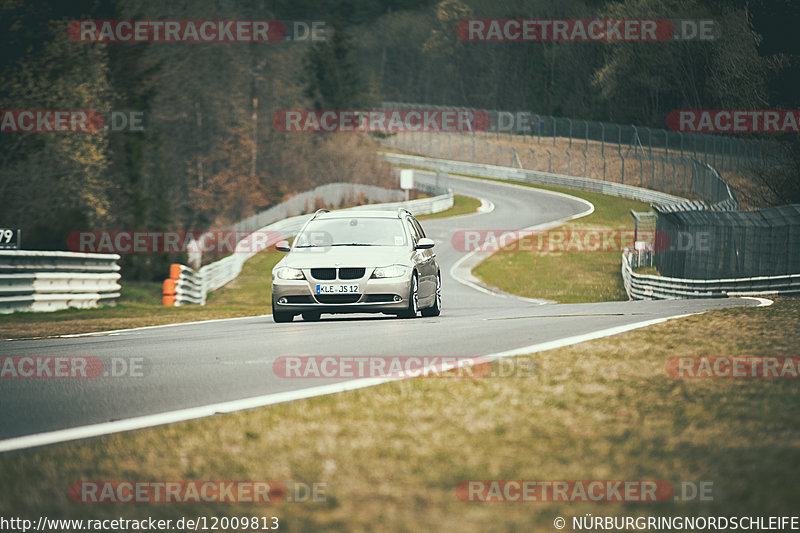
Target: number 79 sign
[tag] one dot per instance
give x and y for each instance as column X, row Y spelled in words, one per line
column 9, row 239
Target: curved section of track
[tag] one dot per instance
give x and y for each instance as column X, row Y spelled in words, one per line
column 201, row 368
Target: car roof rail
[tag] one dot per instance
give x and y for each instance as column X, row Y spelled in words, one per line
column 320, row 211
column 401, row 210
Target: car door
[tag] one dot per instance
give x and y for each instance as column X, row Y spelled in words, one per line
column 424, row 261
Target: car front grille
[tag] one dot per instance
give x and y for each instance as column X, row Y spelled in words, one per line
column 351, row 273
column 338, row 298
column 344, row 273
column 323, row 273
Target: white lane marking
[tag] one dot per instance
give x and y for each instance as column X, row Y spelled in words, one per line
column 181, row 415
column 464, row 274
column 762, row 302
column 128, row 330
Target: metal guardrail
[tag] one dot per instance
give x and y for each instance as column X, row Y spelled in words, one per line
column 49, row 281
column 649, row 287
column 187, row 286
column 532, row 176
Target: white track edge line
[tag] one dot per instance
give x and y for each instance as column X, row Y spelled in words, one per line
column 181, row 415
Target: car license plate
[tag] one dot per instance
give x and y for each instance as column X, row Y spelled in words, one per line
column 337, row 289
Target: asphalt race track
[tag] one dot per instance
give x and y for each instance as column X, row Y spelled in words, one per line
column 206, row 364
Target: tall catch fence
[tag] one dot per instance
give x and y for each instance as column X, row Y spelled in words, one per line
column 710, row 244
column 707, row 238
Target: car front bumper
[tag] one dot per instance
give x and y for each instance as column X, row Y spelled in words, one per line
column 373, row 296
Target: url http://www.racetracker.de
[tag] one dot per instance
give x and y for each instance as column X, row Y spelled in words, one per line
column 197, row 523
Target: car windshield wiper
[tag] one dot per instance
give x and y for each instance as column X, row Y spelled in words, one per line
column 353, row 244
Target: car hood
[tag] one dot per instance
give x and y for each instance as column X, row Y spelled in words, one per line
column 347, row 256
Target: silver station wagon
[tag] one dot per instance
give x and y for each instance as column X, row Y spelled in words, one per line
column 357, row 261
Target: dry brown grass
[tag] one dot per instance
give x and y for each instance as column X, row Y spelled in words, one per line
column 393, row 454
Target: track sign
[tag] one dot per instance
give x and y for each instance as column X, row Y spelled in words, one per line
column 407, row 179
column 10, row 239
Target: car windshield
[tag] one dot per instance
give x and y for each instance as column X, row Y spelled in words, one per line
column 352, row 231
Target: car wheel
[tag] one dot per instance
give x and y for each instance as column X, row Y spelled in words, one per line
column 311, row 316
column 436, row 308
column 413, row 299
column 281, row 316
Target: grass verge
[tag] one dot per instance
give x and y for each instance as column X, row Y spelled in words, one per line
column 392, row 455
column 582, row 276
column 462, row 205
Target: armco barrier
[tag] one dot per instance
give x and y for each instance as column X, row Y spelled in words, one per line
column 531, row 176
column 647, row 287
column 187, row 286
column 48, row 281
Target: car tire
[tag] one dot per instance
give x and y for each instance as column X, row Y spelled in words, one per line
column 281, row 316
column 413, row 299
column 311, row 316
column 436, row 308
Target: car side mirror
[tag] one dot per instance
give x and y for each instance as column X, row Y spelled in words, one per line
column 282, row 246
column 424, row 244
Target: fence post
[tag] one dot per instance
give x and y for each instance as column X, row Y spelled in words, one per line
column 604, row 166
column 584, row 164
column 586, row 137
column 683, row 164
column 602, row 140
column 533, row 160
column 652, row 172
column 673, row 174
column 549, row 157
column 570, row 132
column 568, row 158
column 641, row 172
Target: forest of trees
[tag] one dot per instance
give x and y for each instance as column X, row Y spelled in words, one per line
column 209, row 156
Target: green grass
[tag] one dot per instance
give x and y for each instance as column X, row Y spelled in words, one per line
column 581, row 276
column 392, row 455
column 462, row 205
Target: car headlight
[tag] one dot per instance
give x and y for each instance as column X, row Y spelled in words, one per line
column 391, row 271
column 289, row 273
